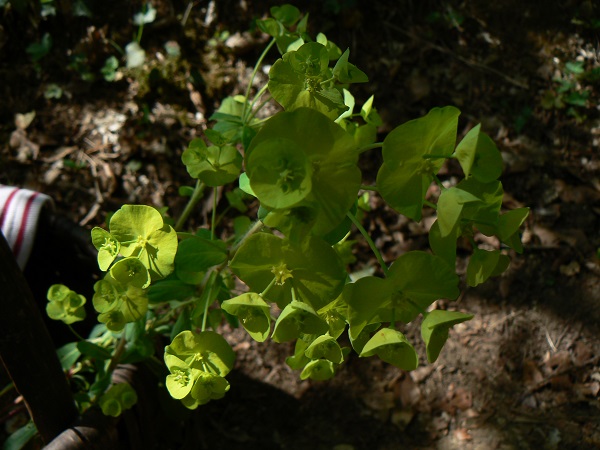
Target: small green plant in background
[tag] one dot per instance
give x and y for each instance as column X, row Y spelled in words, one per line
column 167, row 283
column 571, row 90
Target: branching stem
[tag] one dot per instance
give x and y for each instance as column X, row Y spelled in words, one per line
column 194, row 199
column 370, row 147
column 367, row 237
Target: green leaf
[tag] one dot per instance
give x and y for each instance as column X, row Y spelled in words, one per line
column 68, row 354
column 142, row 233
column 318, row 370
column 325, row 347
column 20, row 438
column 478, row 156
column 483, row 264
column 392, row 347
column 435, row 328
column 214, row 166
column 483, row 214
column 449, row 208
column 270, row 26
column 325, row 172
column 38, row 50
column 206, row 351
column 170, row 289
column 510, row 222
column 297, row 318
column 444, row 246
column 253, row 313
column 421, row 278
column 346, row 72
column 317, row 273
column 405, row 175
column 299, row 359
column 288, row 15
column 92, row 350
column 364, row 298
column 196, row 255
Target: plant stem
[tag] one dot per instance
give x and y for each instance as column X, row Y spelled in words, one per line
column 374, row 249
column 204, row 316
column 77, row 335
column 259, row 108
column 118, row 353
column 253, row 229
column 213, row 219
column 364, row 187
column 430, row 204
column 439, row 183
column 194, row 199
column 268, row 288
column 254, row 72
column 370, row 147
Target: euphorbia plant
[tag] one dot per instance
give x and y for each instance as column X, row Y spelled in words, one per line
column 302, row 165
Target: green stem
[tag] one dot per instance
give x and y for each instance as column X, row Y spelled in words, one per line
column 118, row 353
column 254, row 112
column 205, row 315
column 258, row 96
column 364, row 187
column 370, row 147
column 431, row 205
column 77, row 335
column 254, row 72
column 139, row 33
column 439, row 182
column 393, row 321
column 194, row 199
column 213, row 219
column 253, row 229
column 268, row 288
column 374, row 249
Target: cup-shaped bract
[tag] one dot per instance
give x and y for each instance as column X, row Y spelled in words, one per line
column 312, row 268
column 143, row 234
column 392, row 347
column 252, row 312
column 207, row 351
column 118, row 304
column 318, row 370
column 117, row 399
column 213, row 165
column 303, row 161
column 64, row 304
column 106, row 244
column 297, row 318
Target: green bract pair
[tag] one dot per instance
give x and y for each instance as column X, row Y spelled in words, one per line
column 138, row 249
column 198, row 364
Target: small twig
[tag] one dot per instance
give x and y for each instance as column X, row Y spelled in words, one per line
column 468, row 62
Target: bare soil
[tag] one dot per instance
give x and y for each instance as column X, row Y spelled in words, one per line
column 524, row 373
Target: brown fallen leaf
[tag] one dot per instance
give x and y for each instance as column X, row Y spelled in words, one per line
column 531, row 373
column 462, row 434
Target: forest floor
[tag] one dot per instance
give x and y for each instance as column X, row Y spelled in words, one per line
column 525, row 372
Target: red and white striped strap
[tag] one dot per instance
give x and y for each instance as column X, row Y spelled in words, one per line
column 19, row 213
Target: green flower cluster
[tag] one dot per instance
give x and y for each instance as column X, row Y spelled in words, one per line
column 138, row 249
column 198, row 364
column 65, row 304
